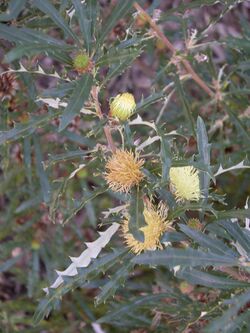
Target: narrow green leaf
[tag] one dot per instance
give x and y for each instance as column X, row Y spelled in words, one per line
column 85, row 200
column 131, row 306
column 117, row 69
column 47, row 7
column 189, row 257
column 117, row 280
column 204, row 154
column 77, row 138
column 207, row 242
column 8, row 264
column 210, row 280
column 76, row 101
column 120, row 10
column 173, row 236
column 187, row 6
column 234, row 213
column 84, row 14
column 44, row 181
column 14, row 9
column 166, row 157
column 145, row 103
column 60, row 91
column 56, row 52
column 68, row 155
column 136, row 217
column 116, row 55
column 22, row 130
column 237, row 233
column 185, row 104
column 26, row 35
column 225, row 323
column 239, row 125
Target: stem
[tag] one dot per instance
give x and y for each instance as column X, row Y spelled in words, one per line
column 106, row 128
column 171, row 47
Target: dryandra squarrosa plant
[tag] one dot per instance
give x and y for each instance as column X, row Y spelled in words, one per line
column 124, row 166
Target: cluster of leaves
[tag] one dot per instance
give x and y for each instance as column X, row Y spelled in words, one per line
column 53, row 153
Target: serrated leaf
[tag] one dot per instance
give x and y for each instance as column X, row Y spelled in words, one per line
column 139, row 121
column 91, row 252
column 97, row 266
column 76, row 101
column 237, row 166
column 46, row 7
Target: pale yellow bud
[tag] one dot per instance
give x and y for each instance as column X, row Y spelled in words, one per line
column 122, row 106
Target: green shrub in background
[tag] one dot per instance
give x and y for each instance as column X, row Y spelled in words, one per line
column 147, row 194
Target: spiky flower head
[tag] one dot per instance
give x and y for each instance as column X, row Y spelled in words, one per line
column 194, row 224
column 123, row 171
column 156, row 225
column 185, row 183
column 82, row 63
column 122, row 106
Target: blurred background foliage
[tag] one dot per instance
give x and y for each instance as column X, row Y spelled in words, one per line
column 47, row 213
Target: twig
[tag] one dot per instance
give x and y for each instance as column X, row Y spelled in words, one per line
column 106, row 128
column 171, row 47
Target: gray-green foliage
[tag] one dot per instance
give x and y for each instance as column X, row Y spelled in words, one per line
column 57, row 129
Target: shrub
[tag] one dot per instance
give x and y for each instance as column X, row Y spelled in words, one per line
column 120, row 129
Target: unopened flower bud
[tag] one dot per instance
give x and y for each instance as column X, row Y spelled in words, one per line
column 194, row 224
column 82, row 63
column 122, row 106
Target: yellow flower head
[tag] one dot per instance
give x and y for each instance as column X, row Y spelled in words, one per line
column 122, row 106
column 82, row 63
column 156, row 225
column 123, row 171
column 185, row 183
